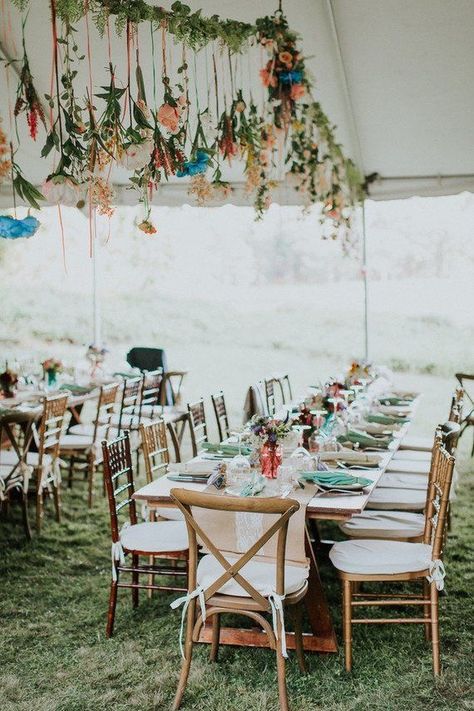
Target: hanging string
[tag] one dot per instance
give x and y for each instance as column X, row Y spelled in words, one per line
column 63, row 243
column 153, row 63
column 92, row 157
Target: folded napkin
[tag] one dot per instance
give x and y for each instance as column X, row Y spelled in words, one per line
column 387, row 419
column 73, row 388
column 228, row 450
column 197, row 467
column 378, row 428
column 351, row 456
column 335, row 478
column 364, row 440
column 253, row 487
column 392, row 400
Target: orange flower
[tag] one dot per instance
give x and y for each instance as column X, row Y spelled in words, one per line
column 267, row 78
column 168, row 116
column 286, row 58
column 297, row 91
column 147, row 227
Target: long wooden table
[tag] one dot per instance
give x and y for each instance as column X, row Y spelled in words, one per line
column 322, row 637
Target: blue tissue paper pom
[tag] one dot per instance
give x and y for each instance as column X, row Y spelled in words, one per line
column 10, row 228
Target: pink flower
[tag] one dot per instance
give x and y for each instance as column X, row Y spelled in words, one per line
column 267, row 78
column 297, row 91
column 168, row 116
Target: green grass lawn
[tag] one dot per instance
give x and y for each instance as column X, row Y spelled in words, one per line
column 54, row 655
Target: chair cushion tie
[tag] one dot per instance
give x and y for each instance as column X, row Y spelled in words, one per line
column 437, row 574
column 185, row 600
column 276, row 604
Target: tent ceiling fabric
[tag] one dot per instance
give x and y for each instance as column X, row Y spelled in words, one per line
column 405, row 113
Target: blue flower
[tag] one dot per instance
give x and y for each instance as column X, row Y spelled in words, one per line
column 293, row 77
column 10, row 228
column 194, row 167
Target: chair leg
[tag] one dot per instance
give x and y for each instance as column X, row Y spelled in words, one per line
column 57, row 500
column 282, row 692
column 24, row 512
column 135, row 581
column 111, row 611
column 90, row 482
column 188, row 653
column 472, row 450
column 298, row 619
column 427, row 609
column 347, row 623
column 435, row 629
column 151, row 577
column 216, row 632
column 39, row 510
column 70, row 473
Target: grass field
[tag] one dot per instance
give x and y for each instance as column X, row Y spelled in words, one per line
column 54, row 655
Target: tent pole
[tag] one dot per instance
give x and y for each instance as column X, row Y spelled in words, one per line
column 366, row 284
column 96, row 315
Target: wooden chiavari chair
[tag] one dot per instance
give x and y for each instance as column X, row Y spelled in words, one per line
column 197, row 425
column 223, row 585
column 220, row 411
column 163, row 540
column 150, row 406
column 376, row 561
column 129, row 414
column 46, row 465
column 270, row 395
column 81, row 448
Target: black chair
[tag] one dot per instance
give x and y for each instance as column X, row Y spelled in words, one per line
column 146, row 359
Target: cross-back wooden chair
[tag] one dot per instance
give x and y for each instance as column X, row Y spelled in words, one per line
column 81, row 447
column 217, row 576
column 197, row 425
column 270, row 395
column 375, row 561
column 220, row 411
column 165, row 540
column 171, row 387
column 47, row 469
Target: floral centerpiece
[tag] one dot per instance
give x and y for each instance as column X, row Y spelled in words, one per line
column 268, row 434
column 359, row 371
column 51, row 368
column 8, row 380
column 96, row 356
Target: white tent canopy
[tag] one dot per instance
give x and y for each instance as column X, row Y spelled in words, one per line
column 392, row 75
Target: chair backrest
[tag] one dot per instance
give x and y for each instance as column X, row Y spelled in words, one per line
column 284, row 508
column 284, row 385
column 450, row 432
column 51, row 425
column 437, row 502
column 197, row 424
column 150, row 395
column 171, row 387
column 220, row 411
column 105, row 409
column 118, row 476
column 457, row 403
column 130, row 401
column 270, row 395
column 468, row 391
column 155, row 449
column 146, row 359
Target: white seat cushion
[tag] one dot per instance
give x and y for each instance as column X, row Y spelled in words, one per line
column 170, row 514
column 409, row 467
column 259, row 574
column 397, row 499
column 10, row 457
column 88, row 431
column 398, row 480
column 366, row 557
column 75, row 442
column 155, row 537
column 423, row 444
column 384, row 524
column 128, row 421
column 411, row 455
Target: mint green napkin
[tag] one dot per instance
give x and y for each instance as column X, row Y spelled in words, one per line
column 387, row 419
column 73, row 388
column 228, row 450
column 364, row 440
column 253, row 487
column 334, row 478
column 395, row 401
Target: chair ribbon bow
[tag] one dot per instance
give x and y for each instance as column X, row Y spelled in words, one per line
column 437, row 574
column 117, row 552
column 276, row 604
column 186, row 599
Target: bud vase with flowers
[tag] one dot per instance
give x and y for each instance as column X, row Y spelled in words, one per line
column 268, row 434
column 51, row 368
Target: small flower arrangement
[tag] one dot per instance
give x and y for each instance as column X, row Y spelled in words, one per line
column 268, row 430
column 359, row 370
column 8, row 380
column 96, row 354
column 52, row 366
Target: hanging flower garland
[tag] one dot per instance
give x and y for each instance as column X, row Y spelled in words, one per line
column 285, row 135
